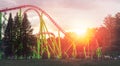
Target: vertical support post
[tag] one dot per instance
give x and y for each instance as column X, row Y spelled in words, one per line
column 38, row 48
column 84, row 49
column 44, row 37
column 98, row 50
column 42, row 46
column 74, row 49
column 88, row 48
column 59, row 42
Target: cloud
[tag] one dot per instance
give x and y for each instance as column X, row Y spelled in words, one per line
column 80, row 4
column 7, row 3
column 67, row 12
column 74, row 4
column 36, row 2
column 116, row 1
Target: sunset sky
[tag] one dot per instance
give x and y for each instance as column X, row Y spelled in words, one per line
column 71, row 14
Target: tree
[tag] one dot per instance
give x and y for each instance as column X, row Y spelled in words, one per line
column 16, row 35
column 26, row 36
column 112, row 24
column 8, row 37
column 116, row 45
column 102, row 39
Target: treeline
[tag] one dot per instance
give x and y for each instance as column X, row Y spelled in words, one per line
column 18, row 40
column 106, row 38
column 108, row 35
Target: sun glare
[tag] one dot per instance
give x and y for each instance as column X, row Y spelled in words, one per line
column 80, row 32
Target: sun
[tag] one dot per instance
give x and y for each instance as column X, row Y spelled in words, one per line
column 80, row 32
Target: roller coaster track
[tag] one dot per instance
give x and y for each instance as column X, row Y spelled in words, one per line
column 35, row 7
column 39, row 11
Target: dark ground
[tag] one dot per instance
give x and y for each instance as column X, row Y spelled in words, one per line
column 55, row 62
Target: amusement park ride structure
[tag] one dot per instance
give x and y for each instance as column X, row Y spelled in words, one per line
column 53, row 49
column 42, row 44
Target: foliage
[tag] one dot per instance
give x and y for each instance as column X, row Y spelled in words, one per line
column 26, row 36
column 108, row 35
column 8, row 39
column 18, row 37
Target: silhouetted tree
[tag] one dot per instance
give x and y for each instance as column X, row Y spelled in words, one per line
column 116, row 46
column 112, row 25
column 8, row 37
column 26, row 36
column 17, row 26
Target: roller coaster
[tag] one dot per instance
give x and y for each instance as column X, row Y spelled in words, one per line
column 43, row 46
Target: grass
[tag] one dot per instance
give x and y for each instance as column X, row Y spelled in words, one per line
column 63, row 62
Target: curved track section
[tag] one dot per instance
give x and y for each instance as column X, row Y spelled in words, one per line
column 35, row 7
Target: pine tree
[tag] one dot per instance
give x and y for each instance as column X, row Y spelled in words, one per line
column 17, row 45
column 26, row 36
column 8, row 37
